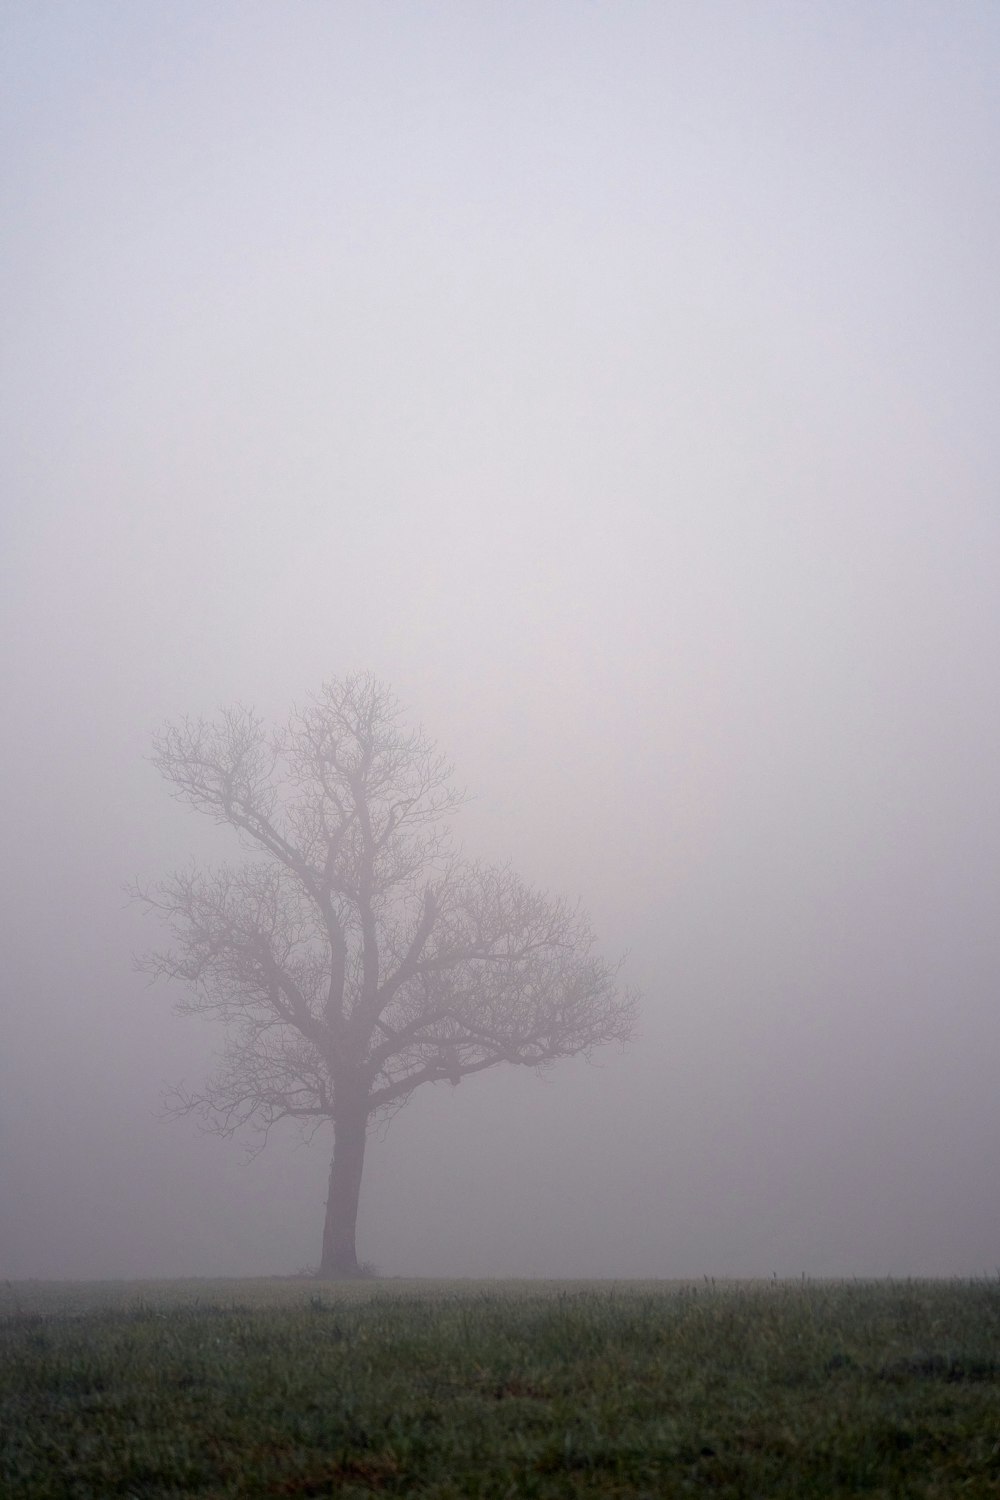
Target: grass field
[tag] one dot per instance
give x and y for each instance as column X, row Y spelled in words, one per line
column 293, row 1388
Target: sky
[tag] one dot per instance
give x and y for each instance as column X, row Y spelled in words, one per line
column 619, row 383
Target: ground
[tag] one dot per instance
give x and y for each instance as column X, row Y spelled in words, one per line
column 294, row 1388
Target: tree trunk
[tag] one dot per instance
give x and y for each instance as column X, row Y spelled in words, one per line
column 340, row 1256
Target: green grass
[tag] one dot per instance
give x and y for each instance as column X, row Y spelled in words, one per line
column 286, row 1388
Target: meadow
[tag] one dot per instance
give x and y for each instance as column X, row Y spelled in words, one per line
column 447, row 1389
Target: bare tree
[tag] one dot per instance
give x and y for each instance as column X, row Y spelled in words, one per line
column 358, row 956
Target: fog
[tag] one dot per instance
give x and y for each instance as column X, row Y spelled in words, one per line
column 619, row 383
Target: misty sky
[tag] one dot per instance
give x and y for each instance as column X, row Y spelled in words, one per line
column 620, row 383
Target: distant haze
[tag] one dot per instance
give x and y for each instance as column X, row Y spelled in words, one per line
column 620, row 383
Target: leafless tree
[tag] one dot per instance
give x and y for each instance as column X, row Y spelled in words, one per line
column 355, row 955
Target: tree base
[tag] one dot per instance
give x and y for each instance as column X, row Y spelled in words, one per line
column 364, row 1272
